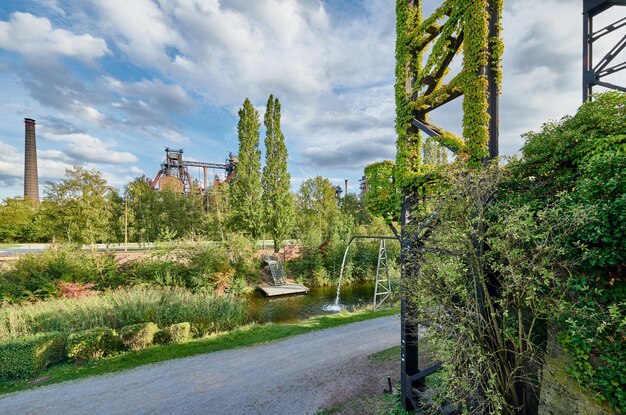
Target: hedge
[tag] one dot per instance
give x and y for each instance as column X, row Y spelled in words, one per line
column 27, row 355
column 138, row 336
column 93, row 344
column 176, row 333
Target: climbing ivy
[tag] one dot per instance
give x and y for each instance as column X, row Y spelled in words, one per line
column 382, row 198
column 419, row 86
column 409, row 143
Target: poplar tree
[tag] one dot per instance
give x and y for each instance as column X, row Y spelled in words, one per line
column 245, row 187
column 277, row 199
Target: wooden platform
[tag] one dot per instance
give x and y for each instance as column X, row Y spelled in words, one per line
column 287, row 289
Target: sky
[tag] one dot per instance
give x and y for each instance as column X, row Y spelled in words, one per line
column 111, row 83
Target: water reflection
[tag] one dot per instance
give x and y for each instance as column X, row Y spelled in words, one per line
column 317, row 301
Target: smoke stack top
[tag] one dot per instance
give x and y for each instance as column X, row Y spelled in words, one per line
column 31, row 176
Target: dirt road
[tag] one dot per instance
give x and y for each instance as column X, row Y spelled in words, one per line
column 299, row 375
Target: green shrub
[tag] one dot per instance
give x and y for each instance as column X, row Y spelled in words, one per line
column 180, row 332
column 138, row 336
column 320, row 277
column 176, row 333
column 35, row 276
column 29, row 354
column 162, row 337
column 93, row 344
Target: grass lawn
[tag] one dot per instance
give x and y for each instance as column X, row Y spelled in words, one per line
column 244, row 336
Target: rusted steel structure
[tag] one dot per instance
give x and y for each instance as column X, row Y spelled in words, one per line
column 174, row 172
column 31, row 175
column 595, row 75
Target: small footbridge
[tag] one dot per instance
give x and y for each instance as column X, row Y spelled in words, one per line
column 281, row 285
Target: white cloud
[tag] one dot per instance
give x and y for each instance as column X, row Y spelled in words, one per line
column 83, row 148
column 151, row 95
column 34, row 36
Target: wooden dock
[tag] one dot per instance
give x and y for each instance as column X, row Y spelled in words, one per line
column 285, row 289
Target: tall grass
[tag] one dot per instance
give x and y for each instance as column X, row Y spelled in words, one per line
column 124, row 306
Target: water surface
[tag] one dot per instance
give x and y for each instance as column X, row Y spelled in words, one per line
column 298, row 307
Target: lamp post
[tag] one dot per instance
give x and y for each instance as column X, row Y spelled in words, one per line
column 126, row 220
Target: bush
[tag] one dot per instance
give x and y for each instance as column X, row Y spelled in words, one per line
column 162, row 337
column 176, row 333
column 30, row 354
column 35, row 276
column 181, row 332
column 138, row 336
column 93, row 344
column 123, row 307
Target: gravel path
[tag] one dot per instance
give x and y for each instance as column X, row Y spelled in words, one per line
column 298, row 375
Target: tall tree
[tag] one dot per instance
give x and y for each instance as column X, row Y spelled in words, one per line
column 318, row 213
column 277, row 199
column 78, row 208
column 16, row 218
column 245, row 187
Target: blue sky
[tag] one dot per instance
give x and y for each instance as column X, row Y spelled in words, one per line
column 111, row 83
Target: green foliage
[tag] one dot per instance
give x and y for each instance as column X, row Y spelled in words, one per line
column 163, row 215
column 278, row 202
column 493, row 277
column 36, row 276
column 244, row 336
column 30, row 354
column 162, row 337
column 176, row 333
column 319, row 219
column 578, row 165
column 180, row 332
column 323, row 266
column 245, row 187
column 408, row 66
column 383, row 198
column 122, row 307
column 78, row 212
column 93, row 344
column 419, row 86
column 16, row 219
column 138, row 336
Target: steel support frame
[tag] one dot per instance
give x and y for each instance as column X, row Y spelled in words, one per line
column 592, row 75
column 413, row 379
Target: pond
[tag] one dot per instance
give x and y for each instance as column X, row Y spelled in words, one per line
column 298, row 307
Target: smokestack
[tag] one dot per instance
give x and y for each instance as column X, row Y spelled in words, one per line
column 346, row 193
column 31, row 177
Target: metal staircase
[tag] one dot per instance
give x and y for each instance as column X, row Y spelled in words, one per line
column 276, row 268
column 382, row 290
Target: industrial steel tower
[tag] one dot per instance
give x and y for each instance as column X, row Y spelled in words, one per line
column 31, row 177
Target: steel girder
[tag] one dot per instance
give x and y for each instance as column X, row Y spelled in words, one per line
column 593, row 74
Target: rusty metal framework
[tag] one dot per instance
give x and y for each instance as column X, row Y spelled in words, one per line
column 174, row 172
column 593, row 75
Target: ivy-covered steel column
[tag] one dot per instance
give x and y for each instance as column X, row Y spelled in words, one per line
column 408, row 160
column 470, row 27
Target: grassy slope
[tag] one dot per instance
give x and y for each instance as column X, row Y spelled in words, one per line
column 244, row 336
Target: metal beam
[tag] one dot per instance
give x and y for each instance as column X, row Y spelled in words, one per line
column 598, row 6
column 608, row 58
column 592, row 76
column 613, row 69
column 611, row 86
column 430, row 130
column 608, row 29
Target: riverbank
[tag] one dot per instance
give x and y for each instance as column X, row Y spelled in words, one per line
column 244, row 336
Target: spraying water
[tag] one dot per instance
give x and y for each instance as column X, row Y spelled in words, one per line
column 337, row 306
